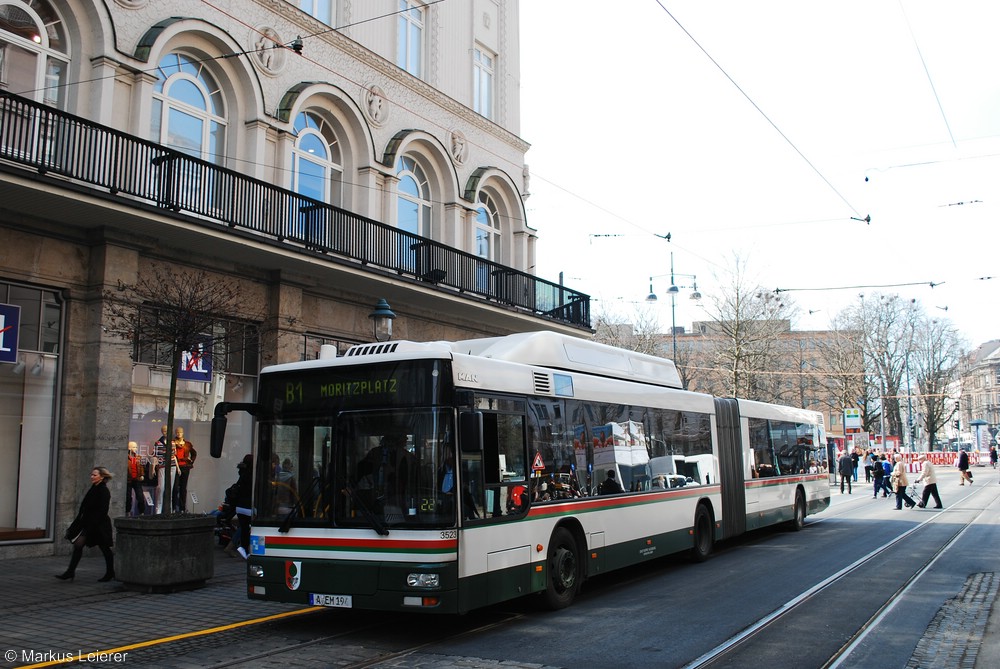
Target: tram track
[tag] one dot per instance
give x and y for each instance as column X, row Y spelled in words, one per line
column 722, row 653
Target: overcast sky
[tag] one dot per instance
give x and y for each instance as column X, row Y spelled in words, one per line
column 764, row 153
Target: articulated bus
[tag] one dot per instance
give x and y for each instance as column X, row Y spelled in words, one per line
column 445, row 476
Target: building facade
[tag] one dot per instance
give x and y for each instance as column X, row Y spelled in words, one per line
column 978, row 416
column 323, row 154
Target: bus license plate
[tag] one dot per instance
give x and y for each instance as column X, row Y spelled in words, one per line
column 337, row 601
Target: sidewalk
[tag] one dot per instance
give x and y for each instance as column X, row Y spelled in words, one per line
column 39, row 613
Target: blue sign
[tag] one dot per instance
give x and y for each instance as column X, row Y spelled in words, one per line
column 196, row 364
column 10, row 322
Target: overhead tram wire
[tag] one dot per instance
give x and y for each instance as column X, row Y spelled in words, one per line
column 932, row 284
column 927, row 72
column 757, row 107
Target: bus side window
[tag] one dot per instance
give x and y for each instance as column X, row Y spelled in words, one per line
column 504, row 461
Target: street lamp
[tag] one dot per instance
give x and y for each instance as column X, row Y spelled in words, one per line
column 673, row 290
column 382, row 318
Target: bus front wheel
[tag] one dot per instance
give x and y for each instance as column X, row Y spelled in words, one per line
column 702, row 546
column 563, row 570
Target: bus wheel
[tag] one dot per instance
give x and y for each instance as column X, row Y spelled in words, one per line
column 564, row 570
column 798, row 520
column 703, row 539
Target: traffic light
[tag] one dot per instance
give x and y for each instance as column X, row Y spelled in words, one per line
column 957, row 425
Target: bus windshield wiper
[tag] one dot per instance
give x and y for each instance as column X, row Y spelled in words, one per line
column 372, row 519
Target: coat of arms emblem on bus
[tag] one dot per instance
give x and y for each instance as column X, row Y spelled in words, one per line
column 293, row 574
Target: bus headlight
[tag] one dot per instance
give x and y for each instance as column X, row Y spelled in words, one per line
column 256, row 571
column 423, row 580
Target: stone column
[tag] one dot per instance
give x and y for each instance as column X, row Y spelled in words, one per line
column 98, row 388
column 283, row 335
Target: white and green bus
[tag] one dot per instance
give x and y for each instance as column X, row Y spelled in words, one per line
column 445, row 476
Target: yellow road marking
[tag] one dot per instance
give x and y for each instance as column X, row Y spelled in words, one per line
column 188, row 635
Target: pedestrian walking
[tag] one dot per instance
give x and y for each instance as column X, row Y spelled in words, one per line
column 963, row 467
column 855, row 460
column 845, row 467
column 929, row 477
column 886, row 477
column 92, row 525
column 878, row 473
column 900, row 481
column 243, row 503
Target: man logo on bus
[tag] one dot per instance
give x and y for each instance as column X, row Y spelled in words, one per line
column 293, row 574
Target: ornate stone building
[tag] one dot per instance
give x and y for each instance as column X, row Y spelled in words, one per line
column 978, row 416
column 325, row 154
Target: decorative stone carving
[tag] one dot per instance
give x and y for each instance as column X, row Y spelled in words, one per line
column 375, row 105
column 267, row 50
column 459, row 147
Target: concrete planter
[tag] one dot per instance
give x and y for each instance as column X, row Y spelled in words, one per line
column 164, row 553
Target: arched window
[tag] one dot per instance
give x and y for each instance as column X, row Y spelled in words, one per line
column 487, row 229
column 188, row 110
column 33, row 52
column 317, row 170
column 413, row 209
column 317, row 174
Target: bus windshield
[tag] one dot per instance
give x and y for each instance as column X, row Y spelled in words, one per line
column 397, row 468
column 375, row 469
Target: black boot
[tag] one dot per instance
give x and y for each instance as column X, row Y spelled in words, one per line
column 73, row 561
column 109, row 565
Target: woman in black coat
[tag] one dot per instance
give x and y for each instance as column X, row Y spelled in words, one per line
column 92, row 526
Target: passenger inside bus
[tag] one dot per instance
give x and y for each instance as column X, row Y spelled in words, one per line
column 384, row 472
column 610, row 486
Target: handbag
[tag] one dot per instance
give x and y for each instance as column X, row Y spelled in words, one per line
column 74, row 530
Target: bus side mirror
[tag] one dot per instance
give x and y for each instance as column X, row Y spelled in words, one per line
column 470, row 431
column 218, row 436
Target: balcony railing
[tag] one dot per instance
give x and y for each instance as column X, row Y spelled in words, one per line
column 54, row 142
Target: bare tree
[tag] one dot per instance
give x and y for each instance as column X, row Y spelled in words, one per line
column 745, row 334
column 843, row 380
column 885, row 322
column 182, row 311
column 937, row 351
column 635, row 332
